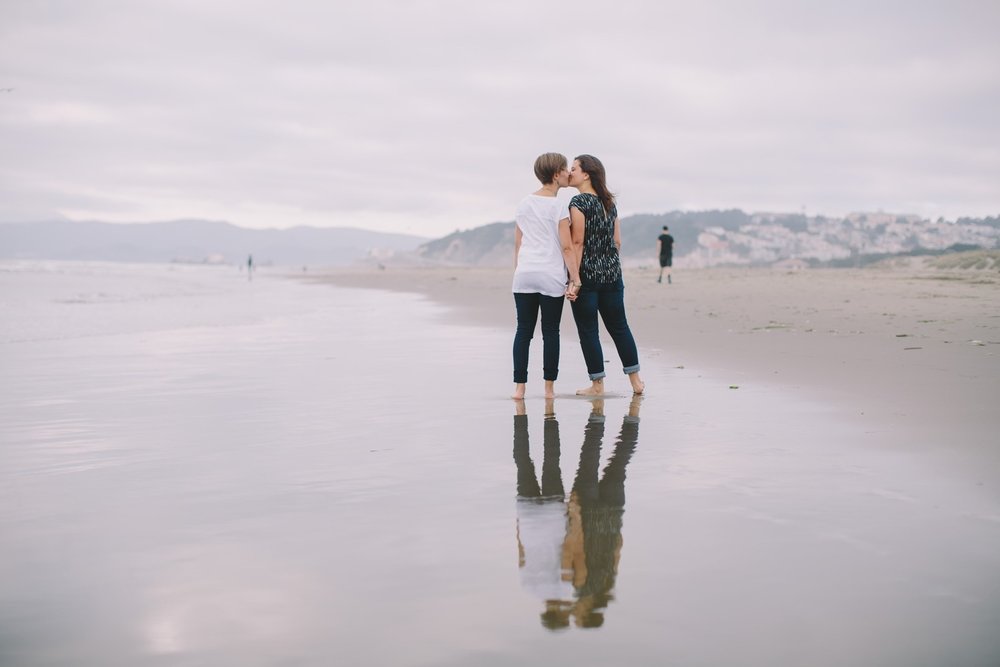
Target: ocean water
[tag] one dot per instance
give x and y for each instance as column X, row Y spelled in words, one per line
column 199, row 469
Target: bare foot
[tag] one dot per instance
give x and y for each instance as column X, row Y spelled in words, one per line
column 550, row 389
column 596, row 388
column 550, row 407
column 637, row 384
column 518, row 391
column 519, row 408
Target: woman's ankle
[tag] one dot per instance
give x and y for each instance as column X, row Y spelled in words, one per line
column 596, row 388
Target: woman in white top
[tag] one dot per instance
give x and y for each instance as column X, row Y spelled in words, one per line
column 542, row 246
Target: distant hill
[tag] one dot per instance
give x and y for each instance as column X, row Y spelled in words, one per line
column 702, row 238
column 733, row 237
column 197, row 241
column 489, row 245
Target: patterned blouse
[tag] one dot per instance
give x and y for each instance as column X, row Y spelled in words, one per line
column 600, row 263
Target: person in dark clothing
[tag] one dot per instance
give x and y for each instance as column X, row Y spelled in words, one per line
column 665, row 243
column 596, row 232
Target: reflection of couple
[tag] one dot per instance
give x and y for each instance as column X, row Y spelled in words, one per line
column 569, row 550
column 581, row 241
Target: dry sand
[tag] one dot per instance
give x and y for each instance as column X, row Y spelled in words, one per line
column 912, row 349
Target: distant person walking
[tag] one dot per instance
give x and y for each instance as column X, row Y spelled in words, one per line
column 596, row 233
column 249, row 267
column 665, row 243
column 543, row 248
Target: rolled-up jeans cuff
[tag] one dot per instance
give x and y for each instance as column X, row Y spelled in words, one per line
column 631, row 369
column 597, row 376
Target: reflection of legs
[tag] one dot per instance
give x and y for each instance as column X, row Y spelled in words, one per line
column 527, row 482
column 527, row 316
column 551, row 308
column 585, row 484
column 601, row 527
column 551, row 474
column 612, row 484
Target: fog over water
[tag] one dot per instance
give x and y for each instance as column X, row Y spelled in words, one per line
column 196, row 468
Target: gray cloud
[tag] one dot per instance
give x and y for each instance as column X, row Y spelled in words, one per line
column 426, row 116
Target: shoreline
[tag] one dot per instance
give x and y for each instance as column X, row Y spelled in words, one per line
column 914, row 351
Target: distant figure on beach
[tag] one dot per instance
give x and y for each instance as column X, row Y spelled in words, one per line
column 543, row 248
column 596, row 234
column 568, row 552
column 249, row 267
column 665, row 244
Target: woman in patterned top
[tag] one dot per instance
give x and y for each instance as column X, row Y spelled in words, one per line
column 596, row 235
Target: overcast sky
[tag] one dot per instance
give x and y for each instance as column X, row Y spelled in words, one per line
column 426, row 116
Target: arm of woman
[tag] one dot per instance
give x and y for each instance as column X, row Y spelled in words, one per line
column 577, row 227
column 577, row 223
column 569, row 252
column 618, row 234
column 517, row 243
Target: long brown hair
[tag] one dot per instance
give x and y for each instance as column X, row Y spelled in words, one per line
column 598, row 180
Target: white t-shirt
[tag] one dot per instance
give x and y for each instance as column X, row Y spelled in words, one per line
column 541, row 531
column 540, row 266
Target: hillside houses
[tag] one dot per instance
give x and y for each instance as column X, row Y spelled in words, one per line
column 771, row 238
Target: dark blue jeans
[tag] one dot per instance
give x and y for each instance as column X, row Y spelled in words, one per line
column 527, row 306
column 608, row 301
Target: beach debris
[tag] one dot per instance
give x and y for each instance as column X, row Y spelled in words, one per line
column 734, row 386
column 977, row 342
column 902, row 335
column 772, row 325
column 680, row 367
column 912, row 348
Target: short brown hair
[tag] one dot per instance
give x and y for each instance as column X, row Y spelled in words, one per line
column 547, row 165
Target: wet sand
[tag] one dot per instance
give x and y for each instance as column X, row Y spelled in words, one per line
column 913, row 351
column 819, row 451
column 197, row 469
